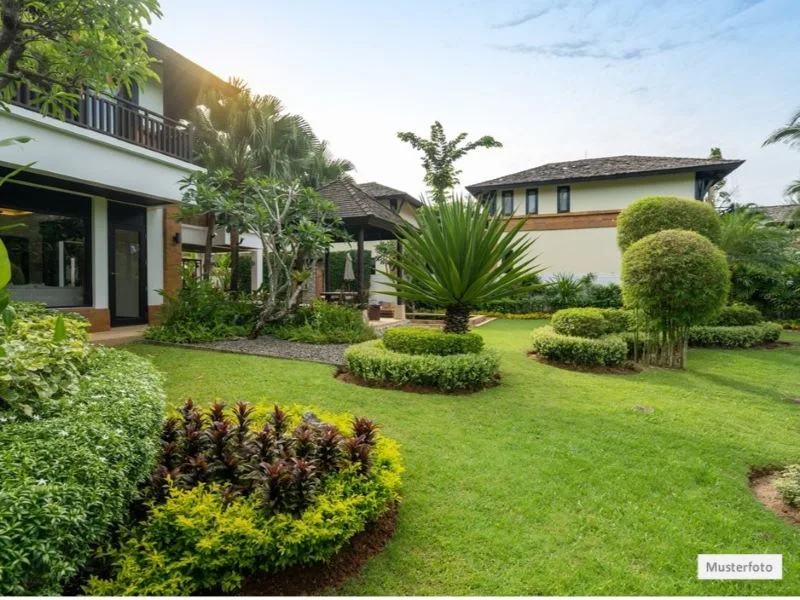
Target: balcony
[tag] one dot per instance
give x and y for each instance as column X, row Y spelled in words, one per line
column 122, row 120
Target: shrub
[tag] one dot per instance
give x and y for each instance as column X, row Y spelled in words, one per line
column 603, row 296
column 66, row 479
column 737, row 314
column 658, row 213
column 42, row 357
column 324, row 323
column 200, row 312
column 788, row 485
column 789, row 324
column 676, row 279
column 607, row 351
column 252, row 499
column 425, row 340
column 617, row 320
column 374, row 363
column 583, row 322
column 534, row 316
column 741, row 336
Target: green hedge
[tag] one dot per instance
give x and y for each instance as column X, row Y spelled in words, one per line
column 426, row 340
column 589, row 322
column 66, row 479
column 374, row 363
column 607, row 351
column 744, row 336
column 737, row 314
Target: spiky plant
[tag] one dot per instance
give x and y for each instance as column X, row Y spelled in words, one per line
column 329, row 448
column 358, row 453
column 459, row 255
column 365, row 430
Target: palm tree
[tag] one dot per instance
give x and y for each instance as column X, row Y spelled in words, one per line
column 458, row 256
column 439, row 156
column 789, row 134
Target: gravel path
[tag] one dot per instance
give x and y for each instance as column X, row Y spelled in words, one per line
column 269, row 346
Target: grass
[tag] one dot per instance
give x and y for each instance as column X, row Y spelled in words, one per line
column 552, row 483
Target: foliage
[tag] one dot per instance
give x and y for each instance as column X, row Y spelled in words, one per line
column 752, row 241
column 718, row 195
column 737, row 314
column 583, row 322
column 336, row 262
column 789, row 134
column 440, row 154
column 657, row 213
column 43, row 356
column 676, row 279
column 374, row 363
column 790, row 324
column 788, row 485
column 66, row 479
column 775, row 294
column 459, row 256
column 230, row 498
column 201, row 312
column 426, row 340
column 734, row 336
column 605, row 351
column 56, row 48
column 324, row 323
column 534, row 316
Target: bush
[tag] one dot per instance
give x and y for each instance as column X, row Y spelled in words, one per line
column 66, row 479
column 374, row 363
column 425, row 340
column 789, row 324
column 742, row 336
column 324, row 323
column 583, row 322
column 737, row 314
column 788, row 485
column 42, row 357
column 252, row 499
column 617, row 320
column 200, row 312
column 534, row 316
column 603, row 296
column 658, row 213
column 607, row 351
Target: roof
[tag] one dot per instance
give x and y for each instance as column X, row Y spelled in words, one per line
column 160, row 51
column 384, row 192
column 353, row 203
column 610, row 167
column 780, row 213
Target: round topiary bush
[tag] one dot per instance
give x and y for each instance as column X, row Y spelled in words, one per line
column 737, row 315
column 582, row 322
column 657, row 213
column 426, row 340
column 376, row 364
column 606, row 351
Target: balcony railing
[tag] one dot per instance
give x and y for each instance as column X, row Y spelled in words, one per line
column 122, row 120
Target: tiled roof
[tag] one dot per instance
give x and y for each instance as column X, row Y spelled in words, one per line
column 779, row 213
column 608, row 168
column 380, row 191
column 353, row 202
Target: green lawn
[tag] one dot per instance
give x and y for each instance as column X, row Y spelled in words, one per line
column 551, row 483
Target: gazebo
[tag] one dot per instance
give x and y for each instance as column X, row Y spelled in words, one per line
column 365, row 219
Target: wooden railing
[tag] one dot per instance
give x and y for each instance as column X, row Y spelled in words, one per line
column 123, row 120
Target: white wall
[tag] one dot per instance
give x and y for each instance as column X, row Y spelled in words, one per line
column 155, row 255
column 577, row 251
column 70, row 152
column 99, row 253
column 151, row 94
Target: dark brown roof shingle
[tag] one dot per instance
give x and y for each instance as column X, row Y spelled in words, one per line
column 353, row 202
column 380, row 192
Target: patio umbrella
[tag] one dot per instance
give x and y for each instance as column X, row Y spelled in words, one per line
column 349, row 274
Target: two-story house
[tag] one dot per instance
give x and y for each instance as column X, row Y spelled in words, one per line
column 97, row 205
column 571, row 207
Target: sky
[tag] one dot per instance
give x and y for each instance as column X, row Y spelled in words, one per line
column 553, row 80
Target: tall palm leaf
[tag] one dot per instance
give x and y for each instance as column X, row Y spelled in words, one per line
column 457, row 256
column 750, row 240
column 788, row 134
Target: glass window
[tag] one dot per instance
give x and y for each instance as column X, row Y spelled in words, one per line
column 490, row 199
column 563, row 198
column 532, row 201
column 508, row 203
column 48, row 253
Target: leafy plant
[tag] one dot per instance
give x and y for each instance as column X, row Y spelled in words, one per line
column 425, row 340
column 583, row 322
column 737, row 314
column 324, row 323
column 734, row 336
column 788, row 485
column 458, row 256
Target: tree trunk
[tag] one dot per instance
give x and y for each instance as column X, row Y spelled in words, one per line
column 211, row 224
column 456, row 318
column 234, row 259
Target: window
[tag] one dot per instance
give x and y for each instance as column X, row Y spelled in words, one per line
column 508, row 203
column 563, row 198
column 393, row 204
column 490, row 199
column 532, row 201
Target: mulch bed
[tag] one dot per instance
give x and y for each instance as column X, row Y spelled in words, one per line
column 347, row 377
column 762, row 483
column 624, row 369
column 317, row 577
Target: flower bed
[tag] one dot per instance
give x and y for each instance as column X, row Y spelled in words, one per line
column 606, row 351
column 229, row 501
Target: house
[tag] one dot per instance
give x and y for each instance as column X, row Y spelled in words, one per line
column 571, row 207
column 98, row 203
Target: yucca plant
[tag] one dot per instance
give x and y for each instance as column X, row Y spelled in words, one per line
column 458, row 256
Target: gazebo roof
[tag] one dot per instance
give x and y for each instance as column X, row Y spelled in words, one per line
column 381, row 192
column 358, row 209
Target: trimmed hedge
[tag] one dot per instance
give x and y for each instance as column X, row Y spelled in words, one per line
column 607, row 351
column 373, row 362
column 737, row 314
column 534, row 316
column 589, row 322
column 657, row 213
column 744, row 336
column 425, row 340
column 66, row 479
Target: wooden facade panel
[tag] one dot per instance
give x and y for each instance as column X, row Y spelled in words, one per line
column 577, row 220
